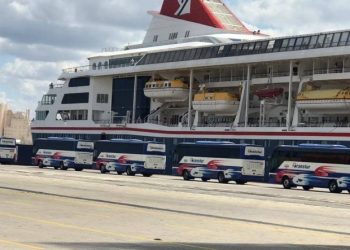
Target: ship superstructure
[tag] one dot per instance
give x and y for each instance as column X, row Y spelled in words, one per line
column 200, row 73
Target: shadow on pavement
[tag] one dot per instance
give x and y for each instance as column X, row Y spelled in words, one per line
column 186, row 246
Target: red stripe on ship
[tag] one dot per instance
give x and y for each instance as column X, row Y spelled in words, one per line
column 198, row 132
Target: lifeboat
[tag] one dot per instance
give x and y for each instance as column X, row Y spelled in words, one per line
column 167, row 91
column 221, row 102
column 268, row 93
column 335, row 101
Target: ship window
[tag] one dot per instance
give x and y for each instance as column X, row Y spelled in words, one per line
column 41, row 115
column 173, row 36
column 152, row 58
column 48, row 99
column 251, row 47
column 207, row 53
column 214, row 52
column 203, row 53
column 187, row 55
column 264, row 46
column 167, row 57
column 344, row 38
column 181, row 55
column 298, row 43
column 320, row 41
column 328, row 40
column 291, row 43
column 187, row 34
column 176, row 56
column 79, row 82
column 102, row 98
column 73, row 115
column 233, row 50
column 239, row 48
column 161, row 57
column 305, row 43
column 336, row 39
column 94, row 66
column 75, row 98
column 106, row 65
column 193, row 53
column 171, row 56
column 270, row 45
column 156, row 58
column 277, row 45
column 146, row 59
column 245, row 49
column 198, row 53
column 313, row 42
column 99, row 65
column 283, row 45
column 220, row 50
column 155, row 38
column 257, row 47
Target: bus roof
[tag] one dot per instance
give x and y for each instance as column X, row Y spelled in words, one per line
column 58, row 139
column 217, row 143
column 136, row 141
column 7, row 138
column 315, row 146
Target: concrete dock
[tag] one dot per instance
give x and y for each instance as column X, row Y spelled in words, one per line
column 53, row 209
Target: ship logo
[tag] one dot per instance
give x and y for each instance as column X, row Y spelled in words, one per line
column 184, row 8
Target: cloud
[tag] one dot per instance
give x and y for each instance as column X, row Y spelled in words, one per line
column 39, row 38
column 291, row 17
column 3, row 97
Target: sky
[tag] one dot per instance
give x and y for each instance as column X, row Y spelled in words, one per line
column 38, row 38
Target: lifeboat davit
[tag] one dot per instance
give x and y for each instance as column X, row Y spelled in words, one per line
column 269, row 93
column 326, row 101
column 167, row 91
column 218, row 102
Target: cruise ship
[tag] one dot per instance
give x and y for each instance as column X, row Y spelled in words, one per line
column 200, row 73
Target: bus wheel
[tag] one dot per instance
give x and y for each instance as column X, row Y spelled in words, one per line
column 205, row 179
column 307, row 188
column 286, row 183
column 119, row 172
column 56, row 167
column 41, row 164
column 349, row 191
column 62, row 167
column 146, row 175
column 129, row 171
column 240, row 182
column 103, row 169
column 78, row 168
column 186, row 175
column 221, row 178
column 333, row 187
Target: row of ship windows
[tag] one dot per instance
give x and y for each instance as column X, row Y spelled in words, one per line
column 64, row 115
column 75, row 98
column 116, row 63
column 172, row 36
column 250, row 48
